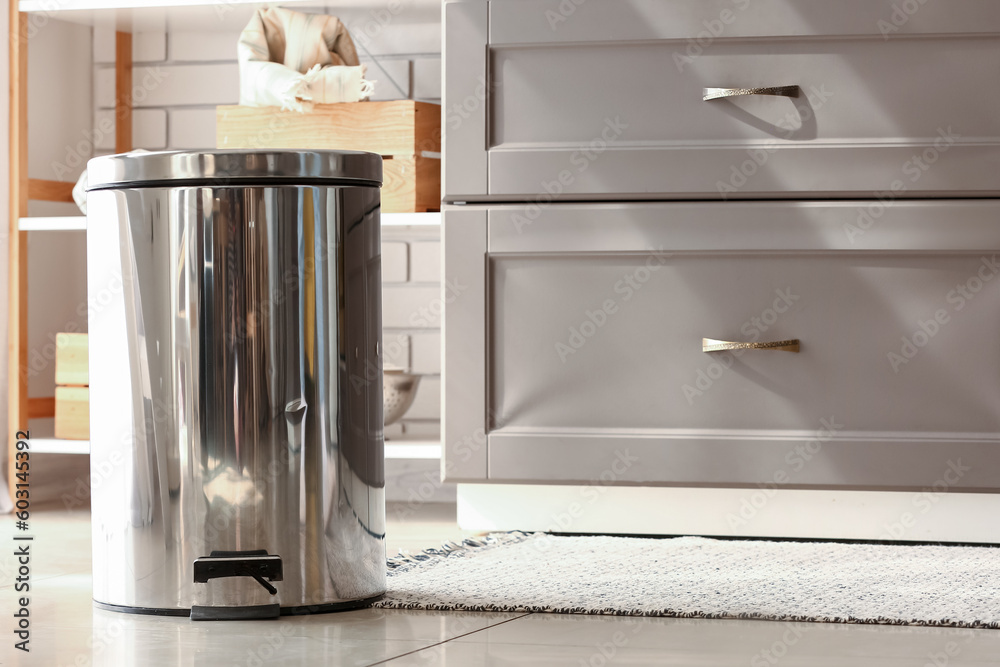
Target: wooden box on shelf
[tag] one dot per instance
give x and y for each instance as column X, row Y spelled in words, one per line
column 73, row 413
column 72, row 401
column 72, row 366
column 407, row 134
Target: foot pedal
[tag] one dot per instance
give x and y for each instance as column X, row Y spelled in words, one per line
column 259, row 565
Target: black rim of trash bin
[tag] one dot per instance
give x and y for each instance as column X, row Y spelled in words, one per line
column 300, row 610
column 236, row 167
column 256, row 181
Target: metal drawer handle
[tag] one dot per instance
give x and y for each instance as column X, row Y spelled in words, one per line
column 712, row 345
column 720, row 93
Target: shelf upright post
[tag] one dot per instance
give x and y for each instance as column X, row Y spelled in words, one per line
column 17, row 333
column 123, row 92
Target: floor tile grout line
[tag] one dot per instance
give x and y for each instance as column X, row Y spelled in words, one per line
column 450, row 639
column 44, row 577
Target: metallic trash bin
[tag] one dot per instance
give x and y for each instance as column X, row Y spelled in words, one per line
column 236, row 382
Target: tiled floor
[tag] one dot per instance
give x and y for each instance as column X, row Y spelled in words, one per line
column 68, row 631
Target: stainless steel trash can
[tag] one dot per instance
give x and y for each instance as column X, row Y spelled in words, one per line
column 236, row 382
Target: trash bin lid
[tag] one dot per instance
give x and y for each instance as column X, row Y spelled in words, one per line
column 219, row 168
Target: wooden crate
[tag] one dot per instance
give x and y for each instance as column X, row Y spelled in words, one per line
column 72, row 365
column 405, row 133
column 73, row 413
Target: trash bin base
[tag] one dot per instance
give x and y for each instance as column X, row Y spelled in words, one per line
column 301, row 610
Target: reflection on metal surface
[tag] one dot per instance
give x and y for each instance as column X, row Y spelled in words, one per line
column 712, row 345
column 721, row 93
column 244, row 419
column 399, row 390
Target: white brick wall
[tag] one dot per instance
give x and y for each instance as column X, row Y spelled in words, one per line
column 195, row 47
column 395, row 262
column 191, row 128
column 165, row 85
column 426, row 257
column 384, row 72
column 149, row 128
column 180, row 77
column 411, row 330
column 427, row 79
column 146, row 47
column 426, row 351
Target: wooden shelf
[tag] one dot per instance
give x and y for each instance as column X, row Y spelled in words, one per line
column 59, row 446
column 56, row 8
column 412, row 449
column 194, row 15
column 64, row 223
column 410, row 219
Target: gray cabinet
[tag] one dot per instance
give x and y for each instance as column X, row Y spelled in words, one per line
column 683, row 300
column 581, row 336
column 607, row 101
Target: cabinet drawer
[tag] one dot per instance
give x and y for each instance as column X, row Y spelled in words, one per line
column 595, row 318
column 607, row 102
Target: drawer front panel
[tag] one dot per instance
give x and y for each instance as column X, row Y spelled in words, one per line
column 555, row 22
column 595, row 317
column 613, row 341
column 853, row 91
column 598, row 107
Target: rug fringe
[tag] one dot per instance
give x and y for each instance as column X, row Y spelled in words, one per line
column 405, row 561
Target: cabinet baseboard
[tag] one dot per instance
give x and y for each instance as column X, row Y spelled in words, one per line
column 923, row 516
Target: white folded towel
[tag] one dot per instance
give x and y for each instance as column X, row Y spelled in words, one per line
column 290, row 59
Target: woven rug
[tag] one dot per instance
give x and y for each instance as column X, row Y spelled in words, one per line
column 694, row 577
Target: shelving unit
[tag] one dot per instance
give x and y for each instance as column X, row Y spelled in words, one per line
column 21, row 407
column 126, row 16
